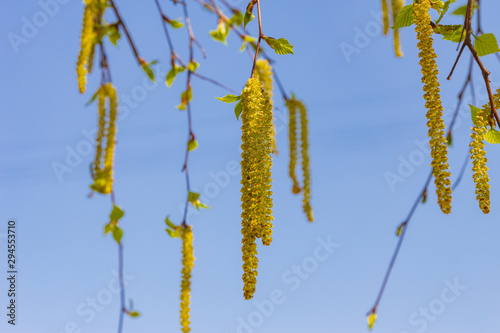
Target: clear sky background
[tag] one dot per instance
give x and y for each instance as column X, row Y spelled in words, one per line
column 366, row 116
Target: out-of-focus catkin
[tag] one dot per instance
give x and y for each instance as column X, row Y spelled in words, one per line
column 102, row 168
column 256, row 194
column 86, row 45
column 187, row 267
column 396, row 6
column 297, row 108
column 478, row 157
column 385, row 16
column 433, row 104
column 264, row 73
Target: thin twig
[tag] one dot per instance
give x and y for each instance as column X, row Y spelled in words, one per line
column 257, row 48
column 131, row 42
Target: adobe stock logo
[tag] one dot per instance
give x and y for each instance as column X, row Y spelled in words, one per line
column 31, row 26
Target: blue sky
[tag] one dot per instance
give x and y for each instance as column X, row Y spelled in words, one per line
column 366, row 117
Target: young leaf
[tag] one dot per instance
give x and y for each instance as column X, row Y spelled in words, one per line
column 371, row 320
column 220, row 34
column 248, row 13
column 176, row 24
column 193, row 65
column 113, row 33
column 280, row 46
column 94, row 96
column 475, row 111
column 247, row 39
column 116, row 213
column 169, row 223
column 172, row 73
column 117, row 234
column 186, row 96
column 236, row 19
column 449, row 139
column 149, row 72
column 238, row 108
column 492, row 136
column 193, row 196
column 405, row 17
column 450, row 32
column 192, row 144
column 462, row 10
column 229, row 98
column 445, row 8
column 134, row 314
column 175, row 233
column 486, row 44
column 108, row 227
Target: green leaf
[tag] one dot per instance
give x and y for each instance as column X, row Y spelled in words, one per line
column 172, row 73
column 193, row 196
column 248, row 13
column 424, row 196
column 192, row 144
column 108, row 227
column 117, row 234
column 450, row 32
column 280, row 46
column 236, row 19
column 175, row 233
column 116, row 213
column 237, row 110
column 220, row 34
column 492, row 136
column 444, row 9
column 486, row 44
column 193, row 65
column 400, row 229
column 176, row 24
column 247, row 39
column 134, row 314
column 149, row 72
column 229, row 98
column 405, row 17
column 169, row 223
column 186, row 96
column 94, row 96
column 113, row 33
column 475, row 112
column 462, row 10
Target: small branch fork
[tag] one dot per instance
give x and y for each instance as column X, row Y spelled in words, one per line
column 468, row 42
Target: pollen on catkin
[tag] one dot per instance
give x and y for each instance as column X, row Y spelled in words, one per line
column 187, row 267
column 435, row 122
column 102, row 168
column 385, row 16
column 264, row 73
column 396, row 6
column 256, row 194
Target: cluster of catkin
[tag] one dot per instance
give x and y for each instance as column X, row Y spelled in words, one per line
column 256, row 194
column 92, row 16
column 396, row 6
column 187, row 267
column 102, row 168
column 297, row 108
column 438, row 141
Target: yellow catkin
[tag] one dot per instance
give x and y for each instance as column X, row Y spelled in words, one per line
column 187, row 267
column 435, row 122
column 304, row 152
column 292, row 144
column 86, row 41
column 264, row 73
column 385, row 16
column 256, row 194
column 105, row 141
column 396, row 6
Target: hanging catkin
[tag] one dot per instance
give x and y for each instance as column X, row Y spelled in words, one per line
column 297, row 108
column 102, row 168
column 256, row 194
column 304, row 152
column 385, row 16
column 187, row 267
column 86, row 45
column 477, row 155
column 264, row 73
column 396, row 6
column 433, row 104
